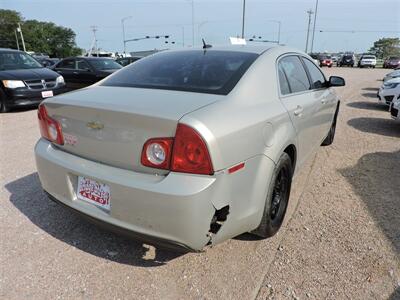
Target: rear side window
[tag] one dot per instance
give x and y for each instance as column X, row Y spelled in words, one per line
column 317, row 78
column 283, row 83
column 67, row 64
column 82, row 65
column 295, row 74
column 214, row 72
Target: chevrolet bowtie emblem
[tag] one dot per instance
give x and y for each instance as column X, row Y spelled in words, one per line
column 95, row 125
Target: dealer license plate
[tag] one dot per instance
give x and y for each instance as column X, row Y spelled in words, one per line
column 94, row 192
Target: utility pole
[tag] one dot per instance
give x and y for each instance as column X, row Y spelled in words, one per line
column 244, row 12
column 123, row 31
column 309, row 12
column 16, row 38
column 315, row 22
column 94, row 29
column 22, row 36
column 192, row 23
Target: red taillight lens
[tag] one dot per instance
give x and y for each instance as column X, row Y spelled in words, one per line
column 187, row 153
column 190, row 153
column 50, row 129
column 156, row 153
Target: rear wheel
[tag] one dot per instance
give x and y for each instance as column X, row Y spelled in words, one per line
column 277, row 198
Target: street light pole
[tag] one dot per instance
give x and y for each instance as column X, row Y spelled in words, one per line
column 123, row 31
column 192, row 23
column 309, row 12
column 315, row 21
column 22, row 36
column 16, row 39
column 243, row 17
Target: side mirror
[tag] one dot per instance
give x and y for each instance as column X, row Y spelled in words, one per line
column 336, row 81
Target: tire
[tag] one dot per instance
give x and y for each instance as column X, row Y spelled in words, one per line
column 3, row 104
column 277, row 198
column 331, row 134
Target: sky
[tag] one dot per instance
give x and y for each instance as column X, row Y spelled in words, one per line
column 346, row 25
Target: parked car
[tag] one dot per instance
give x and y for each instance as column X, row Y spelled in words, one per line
column 47, row 62
column 368, row 61
column 392, row 62
column 24, row 81
column 334, row 59
column 389, row 90
column 325, row 61
column 395, row 109
column 391, row 75
column 346, row 60
column 124, row 61
column 315, row 58
column 172, row 149
column 80, row 72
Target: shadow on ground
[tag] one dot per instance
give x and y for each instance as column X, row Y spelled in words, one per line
column 376, row 178
column 371, row 89
column 369, row 95
column 381, row 126
column 368, row 105
column 61, row 223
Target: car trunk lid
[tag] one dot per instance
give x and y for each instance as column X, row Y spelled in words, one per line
column 111, row 124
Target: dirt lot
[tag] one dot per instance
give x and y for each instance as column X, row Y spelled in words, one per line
column 341, row 241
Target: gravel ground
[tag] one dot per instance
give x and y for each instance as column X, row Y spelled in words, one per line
column 340, row 240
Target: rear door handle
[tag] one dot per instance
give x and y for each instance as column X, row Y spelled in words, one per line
column 298, row 111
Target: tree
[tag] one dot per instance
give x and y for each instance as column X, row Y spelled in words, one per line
column 386, row 47
column 46, row 37
column 43, row 37
column 9, row 20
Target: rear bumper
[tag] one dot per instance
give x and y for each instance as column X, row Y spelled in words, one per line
column 176, row 209
column 26, row 97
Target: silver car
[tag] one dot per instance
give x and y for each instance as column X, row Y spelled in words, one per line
column 188, row 148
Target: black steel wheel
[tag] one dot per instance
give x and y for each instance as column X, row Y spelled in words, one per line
column 277, row 198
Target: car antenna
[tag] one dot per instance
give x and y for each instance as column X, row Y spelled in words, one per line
column 205, row 45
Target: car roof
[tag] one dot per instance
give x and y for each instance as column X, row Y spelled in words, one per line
column 10, row 50
column 258, row 49
column 87, row 57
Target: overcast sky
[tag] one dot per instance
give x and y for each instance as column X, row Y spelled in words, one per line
column 217, row 20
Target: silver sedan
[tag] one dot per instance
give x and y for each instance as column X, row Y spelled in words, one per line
column 188, row 148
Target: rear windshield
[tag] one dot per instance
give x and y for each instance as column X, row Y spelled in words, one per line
column 214, row 72
column 348, row 56
column 368, row 57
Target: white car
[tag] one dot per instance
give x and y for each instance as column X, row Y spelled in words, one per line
column 391, row 75
column 189, row 147
column 367, row 61
column 395, row 109
column 389, row 90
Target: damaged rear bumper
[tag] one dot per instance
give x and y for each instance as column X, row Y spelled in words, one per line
column 180, row 210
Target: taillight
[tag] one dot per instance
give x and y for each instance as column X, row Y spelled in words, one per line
column 190, row 153
column 50, row 129
column 156, row 153
column 187, row 153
